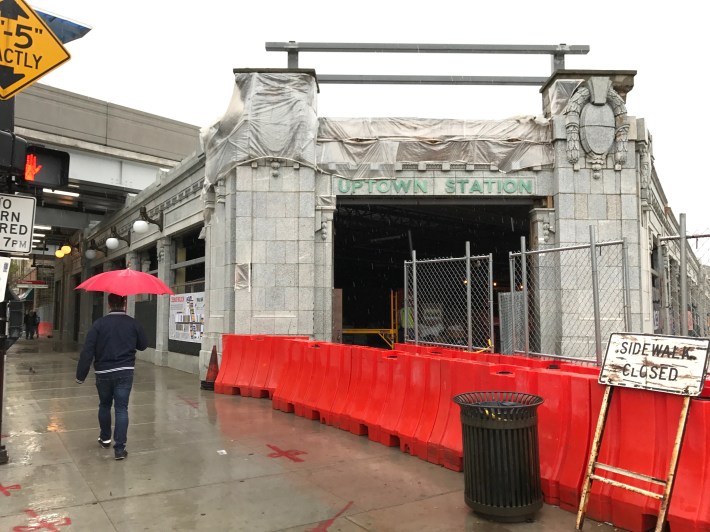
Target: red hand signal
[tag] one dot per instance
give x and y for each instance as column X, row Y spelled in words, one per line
column 31, row 167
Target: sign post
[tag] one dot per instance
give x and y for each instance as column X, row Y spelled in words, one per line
column 667, row 364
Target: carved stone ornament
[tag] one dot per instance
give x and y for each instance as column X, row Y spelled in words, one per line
column 595, row 121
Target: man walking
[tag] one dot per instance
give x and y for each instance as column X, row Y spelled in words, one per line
column 111, row 344
column 29, row 326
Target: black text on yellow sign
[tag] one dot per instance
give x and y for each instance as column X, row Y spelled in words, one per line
column 28, row 48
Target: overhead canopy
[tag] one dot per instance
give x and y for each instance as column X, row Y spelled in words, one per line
column 66, row 30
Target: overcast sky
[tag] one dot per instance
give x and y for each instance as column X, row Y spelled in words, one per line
column 175, row 59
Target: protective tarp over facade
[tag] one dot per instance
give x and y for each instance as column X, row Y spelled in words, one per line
column 270, row 115
column 257, row 125
column 346, row 146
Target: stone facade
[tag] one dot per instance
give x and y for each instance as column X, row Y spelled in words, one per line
column 267, row 218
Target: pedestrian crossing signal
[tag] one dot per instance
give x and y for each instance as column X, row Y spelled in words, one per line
column 46, row 168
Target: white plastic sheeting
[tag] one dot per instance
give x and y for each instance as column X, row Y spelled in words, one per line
column 360, row 148
column 273, row 115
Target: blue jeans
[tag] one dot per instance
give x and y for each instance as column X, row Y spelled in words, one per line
column 114, row 388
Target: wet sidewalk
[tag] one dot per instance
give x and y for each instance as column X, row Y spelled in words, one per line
column 203, row 461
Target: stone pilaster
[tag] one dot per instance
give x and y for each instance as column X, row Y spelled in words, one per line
column 166, row 252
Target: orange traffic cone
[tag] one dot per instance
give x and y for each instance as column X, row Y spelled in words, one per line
column 212, row 371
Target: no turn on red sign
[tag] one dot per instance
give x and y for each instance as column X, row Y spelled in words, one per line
column 17, row 220
column 28, row 48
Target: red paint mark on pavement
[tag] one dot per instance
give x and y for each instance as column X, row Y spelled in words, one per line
column 193, row 404
column 5, row 490
column 42, row 523
column 323, row 526
column 290, row 454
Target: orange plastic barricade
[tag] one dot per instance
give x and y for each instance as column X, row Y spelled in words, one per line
column 417, row 393
column 352, row 368
column 250, row 348
column 331, row 403
column 316, row 357
column 690, row 505
column 405, row 348
column 232, row 345
column 269, row 361
column 280, row 351
column 557, row 431
column 655, row 414
column 384, row 430
column 636, row 418
column 285, row 391
column 527, row 362
column 443, row 397
column 574, row 452
column 419, row 445
column 357, row 411
column 378, row 393
column 466, row 376
column 256, row 387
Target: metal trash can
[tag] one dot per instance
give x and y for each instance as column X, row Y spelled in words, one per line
column 501, row 458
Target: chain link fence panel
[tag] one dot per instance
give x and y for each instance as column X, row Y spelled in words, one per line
column 553, row 307
column 684, row 276
column 448, row 302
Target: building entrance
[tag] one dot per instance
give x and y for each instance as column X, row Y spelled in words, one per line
column 373, row 239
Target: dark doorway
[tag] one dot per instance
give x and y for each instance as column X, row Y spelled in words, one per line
column 373, row 239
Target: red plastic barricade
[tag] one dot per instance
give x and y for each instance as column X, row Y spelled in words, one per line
column 334, row 392
column 232, row 347
column 378, row 392
column 384, row 430
column 633, row 413
column 348, row 387
column 443, row 397
column 251, row 348
column 361, row 405
column 690, row 506
column 446, row 444
column 309, row 391
column 286, row 390
column 414, row 437
column 280, row 351
column 271, row 356
column 585, row 395
column 564, row 421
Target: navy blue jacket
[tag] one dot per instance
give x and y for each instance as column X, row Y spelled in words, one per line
column 111, row 344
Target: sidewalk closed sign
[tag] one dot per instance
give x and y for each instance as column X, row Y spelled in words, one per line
column 17, row 220
column 670, row 364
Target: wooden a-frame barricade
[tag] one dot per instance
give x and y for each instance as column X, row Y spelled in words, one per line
column 626, row 363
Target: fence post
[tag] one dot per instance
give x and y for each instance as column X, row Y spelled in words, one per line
column 665, row 292
column 406, row 303
column 595, row 295
column 490, row 304
column 526, row 321
column 683, row 279
column 469, row 319
column 627, row 288
column 414, row 292
column 513, row 339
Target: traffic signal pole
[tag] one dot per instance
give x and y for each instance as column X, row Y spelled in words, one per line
column 7, row 123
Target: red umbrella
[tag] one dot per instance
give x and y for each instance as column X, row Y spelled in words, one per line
column 125, row 283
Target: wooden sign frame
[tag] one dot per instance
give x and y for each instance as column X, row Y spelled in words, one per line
column 616, row 376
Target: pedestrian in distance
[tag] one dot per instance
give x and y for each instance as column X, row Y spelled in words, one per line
column 111, row 345
column 29, row 326
column 35, row 323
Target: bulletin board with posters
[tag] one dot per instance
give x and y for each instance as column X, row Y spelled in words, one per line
column 187, row 317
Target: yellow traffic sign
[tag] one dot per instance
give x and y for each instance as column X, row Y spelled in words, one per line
column 28, row 48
